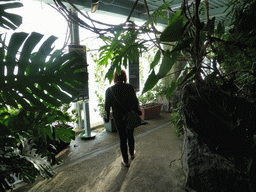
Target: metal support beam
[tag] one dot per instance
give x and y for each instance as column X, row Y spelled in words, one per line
column 74, row 31
column 88, row 134
column 75, row 46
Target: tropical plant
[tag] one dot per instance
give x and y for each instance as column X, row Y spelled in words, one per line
column 72, row 115
column 101, row 85
column 26, row 150
column 33, row 85
column 177, row 121
column 219, row 90
column 37, row 88
column 147, row 98
column 206, row 45
column 9, row 20
column 101, row 104
column 124, row 47
column 150, row 97
column 33, row 82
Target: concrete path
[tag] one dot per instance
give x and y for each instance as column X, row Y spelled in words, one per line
column 95, row 165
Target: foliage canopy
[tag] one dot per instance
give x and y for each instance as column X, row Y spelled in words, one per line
column 33, row 85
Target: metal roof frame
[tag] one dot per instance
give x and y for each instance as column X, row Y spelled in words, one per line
column 217, row 8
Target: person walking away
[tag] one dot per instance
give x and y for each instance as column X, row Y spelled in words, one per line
column 121, row 97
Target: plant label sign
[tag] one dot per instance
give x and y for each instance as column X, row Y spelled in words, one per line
column 84, row 92
column 134, row 74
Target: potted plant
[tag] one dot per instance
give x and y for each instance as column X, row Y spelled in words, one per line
column 110, row 126
column 150, row 108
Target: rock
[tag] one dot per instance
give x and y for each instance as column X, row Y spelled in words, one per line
column 207, row 171
column 218, row 139
column 171, row 103
column 166, row 103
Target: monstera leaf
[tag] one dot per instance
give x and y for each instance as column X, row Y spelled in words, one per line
column 29, row 152
column 36, row 80
column 9, row 20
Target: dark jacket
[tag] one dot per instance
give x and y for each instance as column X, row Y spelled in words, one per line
column 127, row 100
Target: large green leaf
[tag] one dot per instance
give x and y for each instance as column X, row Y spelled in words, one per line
column 15, row 42
column 47, row 98
column 2, row 55
column 45, row 50
column 110, row 74
column 64, row 134
column 210, row 25
column 189, row 75
column 171, row 89
column 220, row 29
column 150, row 82
column 39, row 162
column 37, row 83
column 174, row 31
column 122, row 47
column 9, row 20
column 168, row 61
column 8, row 99
column 156, row 59
column 56, row 54
column 183, row 44
column 29, row 45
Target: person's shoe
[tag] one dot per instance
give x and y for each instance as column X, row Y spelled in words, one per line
column 133, row 156
column 125, row 164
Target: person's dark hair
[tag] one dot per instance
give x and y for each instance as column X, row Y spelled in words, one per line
column 120, row 78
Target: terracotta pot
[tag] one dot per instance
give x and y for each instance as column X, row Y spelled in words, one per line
column 151, row 112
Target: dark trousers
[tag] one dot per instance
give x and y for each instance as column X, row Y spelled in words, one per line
column 124, row 135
